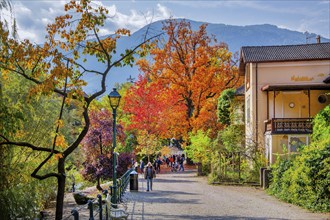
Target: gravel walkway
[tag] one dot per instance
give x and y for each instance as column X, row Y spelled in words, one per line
column 183, row 195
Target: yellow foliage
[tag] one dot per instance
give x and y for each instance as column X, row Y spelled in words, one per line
column 58, row 156
column 60, row 123
column 60, row 141
column 165, row 151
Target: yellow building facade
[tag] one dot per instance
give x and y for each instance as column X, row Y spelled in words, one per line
column 285, row 87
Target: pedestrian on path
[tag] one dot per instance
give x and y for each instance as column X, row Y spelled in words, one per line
column 141, row 166
column 136, row 166
column 149, row 174
column 181, row 160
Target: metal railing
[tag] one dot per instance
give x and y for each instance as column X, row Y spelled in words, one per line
column 289, row 125
column 102, row 209
column 122, row 184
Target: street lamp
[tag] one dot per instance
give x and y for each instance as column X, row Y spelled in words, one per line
column 114, row 98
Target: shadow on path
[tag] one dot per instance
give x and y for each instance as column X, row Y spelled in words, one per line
column 158, row 180
column 201, row 217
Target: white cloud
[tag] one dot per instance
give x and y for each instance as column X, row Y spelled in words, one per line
column 283, row 26
column 314, row 26
column 21, row 9
column 33, row 16
column 164, row 12
column 104, row 31
column 45, row 21
column 135, row 20
column 31, row 35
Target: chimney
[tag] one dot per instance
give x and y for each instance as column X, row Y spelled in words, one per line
column 318, row 39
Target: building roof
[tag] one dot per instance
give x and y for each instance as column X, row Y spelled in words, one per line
column 282, row 87
column 303, row 52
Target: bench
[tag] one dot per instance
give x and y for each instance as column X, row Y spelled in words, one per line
column 116, row 211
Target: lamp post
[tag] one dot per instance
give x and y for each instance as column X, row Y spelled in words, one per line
column 114, row 98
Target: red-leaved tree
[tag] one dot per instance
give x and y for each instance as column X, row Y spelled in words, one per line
column 97, row 146
column 153, row 107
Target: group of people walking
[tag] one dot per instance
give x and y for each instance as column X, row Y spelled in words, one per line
column 175, row 162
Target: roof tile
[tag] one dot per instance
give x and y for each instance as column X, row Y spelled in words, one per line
column 320, row 51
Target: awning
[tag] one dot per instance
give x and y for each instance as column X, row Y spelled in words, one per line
column 274, row 87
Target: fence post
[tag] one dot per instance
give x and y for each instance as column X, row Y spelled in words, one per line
column 105, row 193
column 100, row 205
column 266, row 178
column 262, row 176
column 75, row 214
column 119, row 189
column 90, row 207
column 220, row 173
column 106, row 211
column 239, row 167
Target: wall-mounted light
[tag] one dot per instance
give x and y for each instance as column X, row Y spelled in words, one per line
column 291, row 104
column 322, row 98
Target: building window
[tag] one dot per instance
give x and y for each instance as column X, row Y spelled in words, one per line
column 248, row 119
column 295, row 142
column 247, row 79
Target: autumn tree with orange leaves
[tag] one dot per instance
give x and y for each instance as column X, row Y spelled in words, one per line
column 57, row 67
column 148, row 105
column 197, row 67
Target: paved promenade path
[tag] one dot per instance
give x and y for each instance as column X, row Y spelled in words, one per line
column 183, row 195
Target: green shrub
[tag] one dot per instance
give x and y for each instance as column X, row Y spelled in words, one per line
column 305, row 179
column 26, row 200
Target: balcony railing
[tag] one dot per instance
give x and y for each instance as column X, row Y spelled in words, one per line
column 289, row 125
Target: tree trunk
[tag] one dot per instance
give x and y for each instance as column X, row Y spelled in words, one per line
column 60, row 190
column 98, row 186
column 199, row 169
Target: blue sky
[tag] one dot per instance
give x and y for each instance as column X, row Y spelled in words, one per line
column 309, row 15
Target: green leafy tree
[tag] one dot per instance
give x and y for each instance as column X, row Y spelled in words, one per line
column 224, row 108
column 199, row 150
column 21, row 196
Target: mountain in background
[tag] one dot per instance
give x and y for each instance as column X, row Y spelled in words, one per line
column 234, row 36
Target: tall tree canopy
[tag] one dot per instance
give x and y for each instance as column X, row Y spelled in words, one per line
column 196, row 67
column 154, row 113
column 153, row 107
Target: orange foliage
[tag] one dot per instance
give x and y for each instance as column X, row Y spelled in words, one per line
column 197, row 68
column 150, row 105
